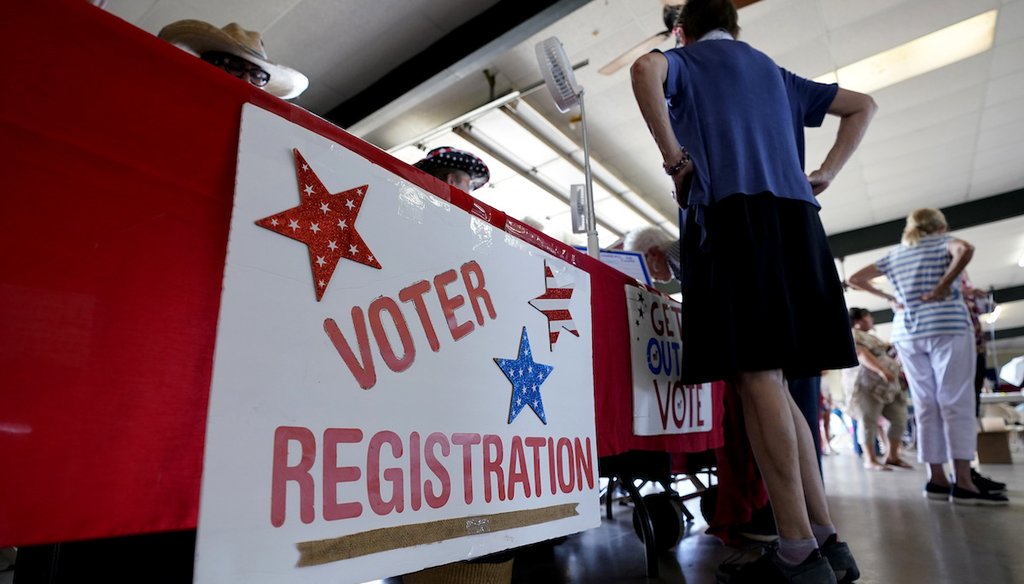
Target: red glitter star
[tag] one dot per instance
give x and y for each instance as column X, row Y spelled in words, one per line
column 326, row 223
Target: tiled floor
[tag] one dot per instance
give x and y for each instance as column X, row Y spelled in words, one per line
column 896, row 534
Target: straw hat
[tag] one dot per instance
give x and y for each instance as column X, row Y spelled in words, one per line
column 448, row 157
column 200, row 37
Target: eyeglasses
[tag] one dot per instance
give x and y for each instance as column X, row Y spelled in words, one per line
column 238, row 67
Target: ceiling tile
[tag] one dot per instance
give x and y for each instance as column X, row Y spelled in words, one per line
column 1007, row 135
column 811, row 59
column 1010, row 23
column 1007, row 59
column 841, row 13
column 1002, row 114
column 947, row 155
column 165, row 12
column 1005, row 88
column 903, row 22
column 837, row 218
column 986, row 184
column 131, row 10
column 787, row 26
column 962, row 129
column 939, row 110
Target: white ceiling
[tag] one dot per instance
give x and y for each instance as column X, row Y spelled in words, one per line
column 947, row 137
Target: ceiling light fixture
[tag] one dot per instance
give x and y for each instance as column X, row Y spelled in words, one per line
column 532, row 165
column 919, row 56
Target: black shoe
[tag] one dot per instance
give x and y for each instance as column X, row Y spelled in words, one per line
column 964, row 497
column 769, row 569
column 986, row 484
column 841, row 559
column 936, row 492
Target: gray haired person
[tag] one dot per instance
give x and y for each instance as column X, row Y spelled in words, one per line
column 661, row 252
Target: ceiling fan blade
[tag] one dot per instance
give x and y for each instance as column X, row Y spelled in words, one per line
column 634, row 53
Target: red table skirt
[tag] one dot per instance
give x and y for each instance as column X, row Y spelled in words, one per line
column 118, row 165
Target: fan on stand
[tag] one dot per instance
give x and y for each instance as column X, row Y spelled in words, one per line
column 561, row 82
column 669, row 13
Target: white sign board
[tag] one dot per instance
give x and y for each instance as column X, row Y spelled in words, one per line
column 662, row 404
column 631, row 263
column 397, row 384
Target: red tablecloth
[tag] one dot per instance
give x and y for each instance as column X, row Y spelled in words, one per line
column 118, row 166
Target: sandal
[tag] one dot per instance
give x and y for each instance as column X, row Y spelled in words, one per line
column 877, row 467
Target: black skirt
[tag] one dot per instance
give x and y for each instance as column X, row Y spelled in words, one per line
column 761, row 292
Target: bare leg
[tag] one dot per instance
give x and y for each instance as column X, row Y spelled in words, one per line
column 962, row 475
column 810, row 476
column 937, row 475
column 769, row 413
column 895, row 443
column 826, row 428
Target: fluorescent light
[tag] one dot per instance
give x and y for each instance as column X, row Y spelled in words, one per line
column 993, row 316
column 919, row 56
column 1020, row 260
column 523, row 145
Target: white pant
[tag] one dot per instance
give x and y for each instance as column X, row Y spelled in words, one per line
column 940, row 370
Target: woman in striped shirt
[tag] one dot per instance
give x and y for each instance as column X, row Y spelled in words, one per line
column 933, row 336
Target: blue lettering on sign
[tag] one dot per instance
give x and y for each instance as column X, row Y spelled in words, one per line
column 663, row 357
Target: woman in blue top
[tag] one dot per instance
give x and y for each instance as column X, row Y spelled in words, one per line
column 761, row 297
column 934, row 337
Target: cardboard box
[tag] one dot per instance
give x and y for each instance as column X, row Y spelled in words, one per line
column 993, row 441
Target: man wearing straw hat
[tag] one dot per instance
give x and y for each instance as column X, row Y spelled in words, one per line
column 237, row 51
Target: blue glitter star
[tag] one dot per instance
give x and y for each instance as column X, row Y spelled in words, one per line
column 526, row 377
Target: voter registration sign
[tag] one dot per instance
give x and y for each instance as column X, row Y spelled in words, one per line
column 662, row 404
column 397, row 382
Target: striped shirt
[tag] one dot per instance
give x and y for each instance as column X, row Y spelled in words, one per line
column 914, row 271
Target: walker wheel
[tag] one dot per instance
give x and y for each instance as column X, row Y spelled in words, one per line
column 666, row 514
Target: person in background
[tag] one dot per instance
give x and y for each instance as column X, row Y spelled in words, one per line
column 456, row 167
column 932, row 334
column 875, row 392
column 238, row 51
column 762, row 299
column 661, row 252
column 977, row 304
column 825, row 411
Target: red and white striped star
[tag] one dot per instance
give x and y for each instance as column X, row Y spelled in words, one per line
column 554, row 304
column 326, row 223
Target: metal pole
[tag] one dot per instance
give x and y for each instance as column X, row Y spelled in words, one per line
column 466, row 133
column 992, row 328
column 592, row 245
column 511, row 112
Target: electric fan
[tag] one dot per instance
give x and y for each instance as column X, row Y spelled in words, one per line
column 561, row 82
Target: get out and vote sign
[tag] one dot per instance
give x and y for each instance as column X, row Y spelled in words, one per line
column 662, row 404
column 397, row 383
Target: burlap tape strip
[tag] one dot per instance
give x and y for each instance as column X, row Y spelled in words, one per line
column 322, row 551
